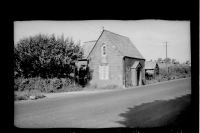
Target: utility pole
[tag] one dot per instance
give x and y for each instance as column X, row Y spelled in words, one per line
column 166, row 57
column 166, row 50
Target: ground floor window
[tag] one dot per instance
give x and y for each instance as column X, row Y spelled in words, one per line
column 104, row 72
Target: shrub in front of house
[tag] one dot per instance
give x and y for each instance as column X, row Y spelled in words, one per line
column 46, row 85
column 28, row 94
column 62, row 85
column 21, row 95
column 54, row 85
column 17, row 83
column 36, row 93
column 22, row 84
column 69, row 85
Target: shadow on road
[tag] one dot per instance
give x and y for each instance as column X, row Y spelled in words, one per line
column 160, row 113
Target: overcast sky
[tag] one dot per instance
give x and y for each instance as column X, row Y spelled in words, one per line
column 147, row 35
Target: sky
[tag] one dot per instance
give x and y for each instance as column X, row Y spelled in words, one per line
column 149, row 36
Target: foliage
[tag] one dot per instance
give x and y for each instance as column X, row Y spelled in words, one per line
column 174, row 61
column 188, row 62
column 173, row 72
column 167, row 60
column 179, row 71
column 45, row 85
column 83, row 75
column 25, row 95
column 159, row 60
column 46, row 56
column 21, row 95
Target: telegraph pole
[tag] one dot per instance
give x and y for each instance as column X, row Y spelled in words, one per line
column 166, row 57
column 166, row 50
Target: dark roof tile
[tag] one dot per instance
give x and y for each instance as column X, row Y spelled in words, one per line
column 87, row 47
column 124, row 45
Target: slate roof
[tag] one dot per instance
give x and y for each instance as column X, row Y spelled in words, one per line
column 87, row 47
column 135, row 64
column 123, row 43
column 150, row 65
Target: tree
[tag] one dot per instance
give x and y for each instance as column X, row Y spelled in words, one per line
column 159, row 60
column 17, row 70
column 187, row 62
column 46, row 56
column 167, row 60
column 173, row 61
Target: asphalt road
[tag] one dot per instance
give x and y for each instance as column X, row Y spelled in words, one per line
column 93, row 110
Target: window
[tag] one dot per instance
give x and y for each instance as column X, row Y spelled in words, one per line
column 103, row 50
column 104, row 72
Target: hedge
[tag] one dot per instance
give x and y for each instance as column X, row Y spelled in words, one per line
column 45, row 85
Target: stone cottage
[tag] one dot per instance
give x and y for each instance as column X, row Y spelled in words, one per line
column 113, row 60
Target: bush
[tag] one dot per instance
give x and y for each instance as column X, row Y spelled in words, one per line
column 66, row 82
column 22, row 84
column 17, row 83
column 56, row 84
column 175, row 72
column 45, row 85
column 61, row 85
column 68, row 86
column 45, row 56
column 25, row 95
column 21, row 95
column 34, row 93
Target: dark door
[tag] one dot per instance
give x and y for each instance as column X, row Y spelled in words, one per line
column 138, row 76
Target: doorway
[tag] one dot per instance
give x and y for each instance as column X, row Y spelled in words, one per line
column 138, row 76
column 136, row 73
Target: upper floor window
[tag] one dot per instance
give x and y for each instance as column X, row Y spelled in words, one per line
column 103, row 50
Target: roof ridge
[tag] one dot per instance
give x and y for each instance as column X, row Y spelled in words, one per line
column 95, row 43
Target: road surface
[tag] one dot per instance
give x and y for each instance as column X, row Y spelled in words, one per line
column 93, row 110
